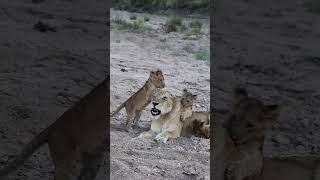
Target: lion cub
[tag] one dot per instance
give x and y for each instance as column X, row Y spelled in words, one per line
column 247, row 124
column 81, row 132
column 194, row 122
column 138, row 101
column 252, row 118
column 201, row 123
column 250, row 126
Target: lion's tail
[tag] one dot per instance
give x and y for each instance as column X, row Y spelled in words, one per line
column 118, row 109
column 37, row 142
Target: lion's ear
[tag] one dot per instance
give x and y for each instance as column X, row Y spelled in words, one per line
column 152, row 74
column 158, row 72
column 194, row 97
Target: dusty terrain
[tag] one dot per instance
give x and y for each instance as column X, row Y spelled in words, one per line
column 273, row 48
column 43, row 73
column 133, row 55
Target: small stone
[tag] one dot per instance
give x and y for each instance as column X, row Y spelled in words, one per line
column 300, row 148
column 282, row 139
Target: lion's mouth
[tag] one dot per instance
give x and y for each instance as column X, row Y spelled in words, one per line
column 155, row 111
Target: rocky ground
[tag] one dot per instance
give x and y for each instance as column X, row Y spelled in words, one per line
column 133, row 55
column 272, row 48
column 45, row 69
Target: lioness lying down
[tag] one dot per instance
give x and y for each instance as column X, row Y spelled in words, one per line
column 166, row 112
column 173, row 115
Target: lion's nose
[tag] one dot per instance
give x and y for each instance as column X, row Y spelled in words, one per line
column 154, row 103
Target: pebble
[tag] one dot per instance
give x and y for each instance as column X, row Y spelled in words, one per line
column 282, row 139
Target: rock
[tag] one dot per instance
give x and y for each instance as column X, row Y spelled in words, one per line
column 282, row 139
column 43, row 27
column 300, row 148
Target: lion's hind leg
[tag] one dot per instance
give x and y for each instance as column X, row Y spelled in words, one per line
column 63, row 155
column 130, row 120
column 91, row 163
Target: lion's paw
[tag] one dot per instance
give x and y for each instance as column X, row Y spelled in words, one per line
column 160, row 139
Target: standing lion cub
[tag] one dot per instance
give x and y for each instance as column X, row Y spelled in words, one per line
column 80, row 133
column 138, row 101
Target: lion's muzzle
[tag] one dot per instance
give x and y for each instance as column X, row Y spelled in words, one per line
column 155, row 111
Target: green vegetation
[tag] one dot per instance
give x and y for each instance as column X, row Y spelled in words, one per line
column 202, row 54
column 173, row 24
column 194, row 28
column 137, row 25
column 133, row 17
column 189, row 6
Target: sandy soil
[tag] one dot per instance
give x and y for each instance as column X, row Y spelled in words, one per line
column 44, row 73
column 272, row 48
column 133, row 55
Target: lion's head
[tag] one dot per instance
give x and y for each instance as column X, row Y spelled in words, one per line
column 157, row 79
column 248, row 112
column 162, row 102
column 188, row 98
column 201, row 129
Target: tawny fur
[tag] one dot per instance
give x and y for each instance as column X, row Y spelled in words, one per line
column 79, row 134
column 138, row 101
column 245, row 156
column 247, row 124
column 168, row 124
column 194, row 122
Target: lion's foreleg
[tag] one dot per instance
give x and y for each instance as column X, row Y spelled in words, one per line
column 147, row 134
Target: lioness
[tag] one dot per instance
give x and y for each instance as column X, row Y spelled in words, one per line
column 166, row 112
column 79, row 133
column 194, row 122
column 138, row 101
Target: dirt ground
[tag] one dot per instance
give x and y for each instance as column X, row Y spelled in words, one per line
column 133, row 55
column 272, row 48
column 43, row 73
